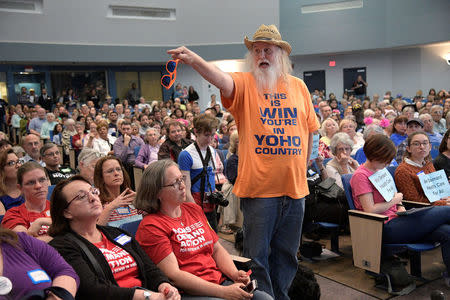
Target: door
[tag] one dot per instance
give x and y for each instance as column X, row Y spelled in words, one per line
column 315, row 80
column 350, row 75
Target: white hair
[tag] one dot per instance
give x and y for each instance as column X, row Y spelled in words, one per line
column 268, row 79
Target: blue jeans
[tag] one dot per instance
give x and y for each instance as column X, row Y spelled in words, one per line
column 257, row 294
column 272, row 230
column 432, row 225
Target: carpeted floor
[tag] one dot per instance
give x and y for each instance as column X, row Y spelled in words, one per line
column 339, row 279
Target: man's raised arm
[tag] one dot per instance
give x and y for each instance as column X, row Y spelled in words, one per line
column 209, row 71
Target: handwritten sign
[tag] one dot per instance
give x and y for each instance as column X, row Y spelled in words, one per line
column 384, row 183
column 315, row 147
column 435, row 185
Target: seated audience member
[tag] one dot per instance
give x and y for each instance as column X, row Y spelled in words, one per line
column 77, row 139
column 432, row 225
column 32, row 146
column 328, row 129
column 68, row 132
column 57, row 134
column 412, row 126
column 174, row 142
column 35, row 124
column 399, row 130
column 439, row 124
column 148, row 152
column 435, row 138
column 48, row 126
column 370, row 130
column 122, row 266
column 33, row 216
column 125, row 146
column 86, row 163
column 52, row 159
column 341, row 147
column 416, row 159
column 10, row 194
column 349, row 127
column 116, row 195
column 231, row 214
column 205, row 270
column 103, row 142
column 442, row 161
column 25, row 259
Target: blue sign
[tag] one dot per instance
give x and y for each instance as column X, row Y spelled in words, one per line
column 435, row 185
column 384, row 183
column 315, row 147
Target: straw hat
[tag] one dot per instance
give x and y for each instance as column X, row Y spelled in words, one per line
column 268, row 34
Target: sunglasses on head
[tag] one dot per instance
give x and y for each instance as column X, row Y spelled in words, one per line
column 168, row 80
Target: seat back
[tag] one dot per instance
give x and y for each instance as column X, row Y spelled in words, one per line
column 131, row 227
column 50, row 191
column 434, row 150
column 348, row 189
column 392, row 169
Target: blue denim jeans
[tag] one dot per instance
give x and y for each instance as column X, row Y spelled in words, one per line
column 432, row 225
column 257, row 295
column 272, row 229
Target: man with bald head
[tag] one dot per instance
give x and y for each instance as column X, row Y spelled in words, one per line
column 31, row 143
column 276, row 120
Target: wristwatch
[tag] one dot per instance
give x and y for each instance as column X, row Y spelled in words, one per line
column 147, row 295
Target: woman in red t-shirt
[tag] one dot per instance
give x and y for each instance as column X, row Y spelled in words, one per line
column 178, row 239
column 109, row 262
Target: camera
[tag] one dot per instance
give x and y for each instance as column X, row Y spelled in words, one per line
column 216, row 198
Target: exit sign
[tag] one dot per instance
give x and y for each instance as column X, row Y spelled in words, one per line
column 332, row 63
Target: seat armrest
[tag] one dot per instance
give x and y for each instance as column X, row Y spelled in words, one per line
column 241, row 263
column 367, row 215
column 411, row 204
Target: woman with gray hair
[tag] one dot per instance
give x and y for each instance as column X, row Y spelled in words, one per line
column 341, row 147
column 86, row 163
column 178, row 239
column 149, row 152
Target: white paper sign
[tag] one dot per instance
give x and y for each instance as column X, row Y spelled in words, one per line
column 384, row 183
column 315, row 147
column 435, row 185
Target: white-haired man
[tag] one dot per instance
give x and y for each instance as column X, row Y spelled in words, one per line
column 276, row 120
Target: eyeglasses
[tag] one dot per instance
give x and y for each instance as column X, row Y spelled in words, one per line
column 110, row 171
column 342, row 149
column 42, row 181
column 83, row 196
column 168, row 80
column 14, row 162
column 56, row 153
column 418, row 144
column 177, row 184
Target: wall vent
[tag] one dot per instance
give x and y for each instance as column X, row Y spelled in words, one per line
column 22, row 6
column 331, row 6
column 133, row 12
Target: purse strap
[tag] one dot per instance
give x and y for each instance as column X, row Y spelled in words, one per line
column 58, row 291
column 89, row 255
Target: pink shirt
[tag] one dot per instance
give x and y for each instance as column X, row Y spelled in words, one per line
column 361, row 185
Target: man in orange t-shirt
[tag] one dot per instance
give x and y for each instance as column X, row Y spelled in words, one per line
column 276, row 120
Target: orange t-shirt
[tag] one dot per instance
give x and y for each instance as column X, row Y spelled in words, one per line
column 273, row 137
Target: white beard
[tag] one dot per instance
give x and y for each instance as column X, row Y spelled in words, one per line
column 267, row 79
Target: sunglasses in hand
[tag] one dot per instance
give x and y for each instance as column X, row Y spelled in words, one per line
column 168, row 80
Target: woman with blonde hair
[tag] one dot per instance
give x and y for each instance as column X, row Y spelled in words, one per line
column 349, row 127
column 327, row 130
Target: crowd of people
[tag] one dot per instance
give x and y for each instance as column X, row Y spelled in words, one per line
column 204, row 171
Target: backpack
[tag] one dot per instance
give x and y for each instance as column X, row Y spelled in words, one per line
column 304, row 286
column 395, row 278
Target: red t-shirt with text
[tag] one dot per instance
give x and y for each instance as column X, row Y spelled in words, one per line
column 122, row 264
column 189, row 237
